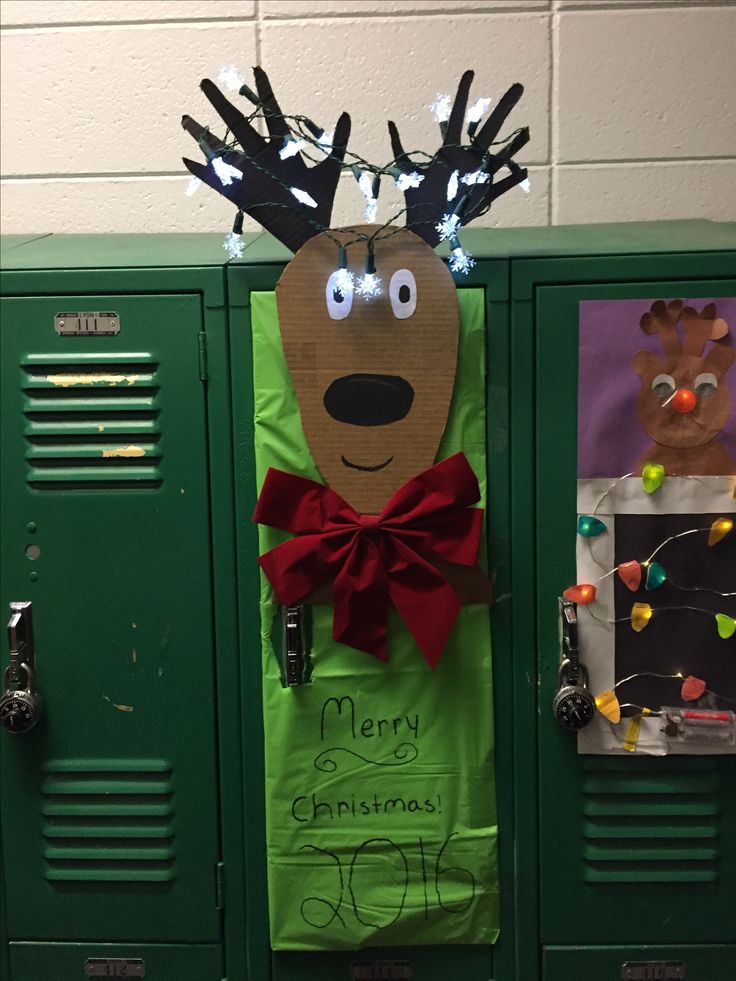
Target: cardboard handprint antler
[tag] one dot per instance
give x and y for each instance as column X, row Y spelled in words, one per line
column 369, row 323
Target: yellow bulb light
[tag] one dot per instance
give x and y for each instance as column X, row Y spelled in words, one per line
column 719, row 529
column 641, row 614
column 608, row 705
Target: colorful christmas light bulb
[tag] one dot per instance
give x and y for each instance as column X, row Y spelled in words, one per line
column 589, row 526
column 726, row 625
column 583, row 593
column 652, row 475
column 655, row 575
column 608, row 705
column 692, row 688
column 641, row 614
column 630, row 574
column 719, row 529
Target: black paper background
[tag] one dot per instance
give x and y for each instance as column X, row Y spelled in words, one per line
column 680, row 641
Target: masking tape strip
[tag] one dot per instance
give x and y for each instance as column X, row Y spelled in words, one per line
column 632, row 733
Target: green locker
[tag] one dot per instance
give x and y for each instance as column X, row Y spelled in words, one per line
column 637, row 854
column 133, row 815
column 113, row 846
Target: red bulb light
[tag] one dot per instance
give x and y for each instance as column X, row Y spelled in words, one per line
column 582, row 593
column 684, row 400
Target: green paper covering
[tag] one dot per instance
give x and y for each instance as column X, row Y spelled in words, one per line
column 380, row 796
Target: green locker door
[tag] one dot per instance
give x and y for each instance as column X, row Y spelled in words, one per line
column 424, row 963
column 109, row 806
column 637, row 854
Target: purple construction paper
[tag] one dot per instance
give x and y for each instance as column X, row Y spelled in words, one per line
column 610, row 437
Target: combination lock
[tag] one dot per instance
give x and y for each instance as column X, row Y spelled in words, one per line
column 19, row 708
column 573, row 704
column 19, row 704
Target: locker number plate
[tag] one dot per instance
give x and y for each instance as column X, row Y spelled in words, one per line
column 653, row 971
column 381, row 970
column 97, row 323
column 114, row 967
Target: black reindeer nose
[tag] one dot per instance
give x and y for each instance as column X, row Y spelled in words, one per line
column 369, row 400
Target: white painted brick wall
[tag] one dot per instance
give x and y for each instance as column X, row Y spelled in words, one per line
column 631, row 103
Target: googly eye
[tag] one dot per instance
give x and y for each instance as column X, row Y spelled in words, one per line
column 705, row 384
column 402, row 292
column 663, row 386
column 339, row 294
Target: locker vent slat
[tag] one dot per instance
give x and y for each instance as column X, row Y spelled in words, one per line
column 92, row 422
column 649, row 824
column 108, row 820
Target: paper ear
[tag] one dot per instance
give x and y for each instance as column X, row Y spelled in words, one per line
column 644, row 363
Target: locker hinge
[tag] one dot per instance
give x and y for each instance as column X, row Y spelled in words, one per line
column 202, row 356
column 220, row 885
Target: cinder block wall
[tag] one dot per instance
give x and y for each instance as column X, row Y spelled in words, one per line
column 631, row 103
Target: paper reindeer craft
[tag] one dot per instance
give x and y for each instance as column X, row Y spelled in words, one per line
column 684, row 400
column 369, row 324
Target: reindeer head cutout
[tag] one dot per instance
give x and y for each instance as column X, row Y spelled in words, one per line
column 373, row 379
column 684, row 401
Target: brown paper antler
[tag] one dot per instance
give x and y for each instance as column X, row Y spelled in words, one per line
column 662, row 319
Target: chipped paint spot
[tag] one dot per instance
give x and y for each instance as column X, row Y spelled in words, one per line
column 134, row 655
column 93, row 378
column 120, row 708
column 100, row 429
column 125, row 451
column 134, row 626
column 160, row 672
column 182, row 490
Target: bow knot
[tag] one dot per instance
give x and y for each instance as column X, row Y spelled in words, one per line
column 376, row 559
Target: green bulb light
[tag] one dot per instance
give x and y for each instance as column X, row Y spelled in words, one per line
column 589, row 526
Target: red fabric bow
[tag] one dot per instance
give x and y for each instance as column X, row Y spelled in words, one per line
column 376, row 558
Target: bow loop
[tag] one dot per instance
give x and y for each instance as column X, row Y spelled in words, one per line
column 374, row 559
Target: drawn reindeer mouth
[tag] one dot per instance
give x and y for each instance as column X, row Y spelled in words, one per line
column 358, row 466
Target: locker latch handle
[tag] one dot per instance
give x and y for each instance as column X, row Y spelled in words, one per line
column 19, row 703
column 569, row 638
column 293, row 645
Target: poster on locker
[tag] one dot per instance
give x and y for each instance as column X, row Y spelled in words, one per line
column 655, row 493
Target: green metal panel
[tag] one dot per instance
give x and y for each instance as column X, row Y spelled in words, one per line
column 116, row 251
column 702, row 963
column 675, row 905
column 113, row 797
column 163, row 962
column 614, row 239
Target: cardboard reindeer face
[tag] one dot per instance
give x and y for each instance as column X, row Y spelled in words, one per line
column 684, row 400
column 373, row 379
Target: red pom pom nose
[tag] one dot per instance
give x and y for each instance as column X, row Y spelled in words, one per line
column 684, row 400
